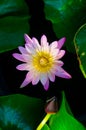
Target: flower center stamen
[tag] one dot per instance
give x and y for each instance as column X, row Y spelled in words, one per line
column 43, row 61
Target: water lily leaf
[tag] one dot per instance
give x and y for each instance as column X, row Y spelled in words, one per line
column 64, row 119
column 66, row 17
column 45, row 127
column 80, row 46
column 20, row 112
column 14, row 16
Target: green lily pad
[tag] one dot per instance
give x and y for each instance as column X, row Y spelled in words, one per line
column 14, row 17
column 20, row 112
column 66, row 17
column 80, row 46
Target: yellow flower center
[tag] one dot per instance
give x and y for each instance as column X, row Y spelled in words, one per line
column 43, row 61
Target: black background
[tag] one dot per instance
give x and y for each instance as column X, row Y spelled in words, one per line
column 10, row 78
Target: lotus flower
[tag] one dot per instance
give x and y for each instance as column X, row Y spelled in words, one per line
column 41, row 61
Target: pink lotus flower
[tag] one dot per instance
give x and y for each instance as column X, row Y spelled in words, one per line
column 42, row 61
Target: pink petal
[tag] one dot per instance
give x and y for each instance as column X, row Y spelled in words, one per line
column 23, row 67
column 51, row 76
column 33, row 42
column 30, row 48
column 46, row 86
column 61, row 42
column 27, row 57
column 53, row 49
column 35, row 79
column 54, row 45
column 62, row 73
column 44, row 44
column 28, row 40
column 60, row 54
column 54, row 52
column 44, row 41
column 36, row 43
column 22, row 49
column 45, row 48
column 58, row 63
column 18, row 56
column 43, row 78
column 27, row 80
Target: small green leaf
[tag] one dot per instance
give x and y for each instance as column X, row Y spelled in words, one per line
column 45, row 127
column 80, row 46
column 14, row 16
column 66, row 17
column 20, row 112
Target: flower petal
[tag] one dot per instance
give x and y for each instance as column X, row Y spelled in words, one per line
column 44, row 41
column 44, row 44
column 61, row 42
column 27, row 80
column 43, row 78
column 58, row 63
column 23, row 66
column 51, row 76
column 54, row 52
column 54, row 45
column 35, row 79
column 36, row 43
column 60, row 72
column 18, row 56
column 61, row 54
column 22, row 50
column 30, row 49
column 46, row 86
column 27, row 58
column 28, row 40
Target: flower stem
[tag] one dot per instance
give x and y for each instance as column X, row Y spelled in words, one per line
column 43, row 121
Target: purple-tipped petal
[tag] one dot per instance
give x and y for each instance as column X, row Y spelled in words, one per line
column 61, row 42
column 60, row 72
column 18, row 56
column 22, row 50
column 27, row 58
column 51, row 76
column 54, row 52
column 58, row 63
column 61, row 54
column 35, row 79
column 46, row 86
column 28, row 40
column 27, row 80
column 54, row 45
column 23, row 67
column 43, row 78
column 44, row 41
column 36, row 43
column 30, row 49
